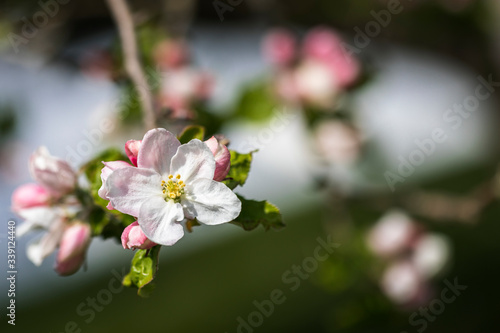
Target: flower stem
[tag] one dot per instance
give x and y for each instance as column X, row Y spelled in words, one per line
column 125, row 25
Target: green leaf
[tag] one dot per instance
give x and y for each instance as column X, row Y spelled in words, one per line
column 255, row 213
column 240, row 167
column 192, row 132
column 256, row 103
column 143, row 271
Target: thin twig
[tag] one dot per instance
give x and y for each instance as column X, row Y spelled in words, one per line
column 125, row 24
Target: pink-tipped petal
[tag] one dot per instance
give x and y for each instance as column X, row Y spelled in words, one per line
column 157, row 149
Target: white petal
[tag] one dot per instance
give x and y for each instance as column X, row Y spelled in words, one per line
column 37, row 251
column 211, row 202
column 37, row 217
column 129, row 188
column 107, row 170
column 157, row 149
column 159, row 220
column 193, row 160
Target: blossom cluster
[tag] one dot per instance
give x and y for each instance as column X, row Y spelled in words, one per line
column 182, row 84
column 413, row 257
column 51, row 204
column 164, row 185
column 316, row 73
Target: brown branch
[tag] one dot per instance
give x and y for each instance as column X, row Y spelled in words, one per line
column 125, row 24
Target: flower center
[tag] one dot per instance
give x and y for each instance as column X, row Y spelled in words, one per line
column 173, row 189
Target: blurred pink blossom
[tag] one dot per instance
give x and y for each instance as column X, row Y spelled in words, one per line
column 392, row 234
column 73, row 247
column 279, row 47
column 53, row 173
column 29, row 196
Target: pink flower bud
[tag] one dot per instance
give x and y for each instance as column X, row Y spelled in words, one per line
column 72, row 249
column 132, row 150
column 133, row 238
column 107, row 170
column 53, row 173
column 28, row 196
column 222, row 158
column 279, row 47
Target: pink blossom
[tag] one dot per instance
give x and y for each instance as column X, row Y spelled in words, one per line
column 279, row 47
column 222, row 158
column 324, row 45
column 53, row 173
column 134, row 238
column 73, row 247
column 132, row 150
column 29, row 196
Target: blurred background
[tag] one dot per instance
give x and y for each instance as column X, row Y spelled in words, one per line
column 375, row 123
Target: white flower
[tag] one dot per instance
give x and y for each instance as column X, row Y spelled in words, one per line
column 53, row 219
column 171, row 182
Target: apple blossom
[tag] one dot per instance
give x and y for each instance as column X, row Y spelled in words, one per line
column 134, row 238
column 30, row 195
column 53, row 173
column 393, row 233
column 222, row 158
column 108, row 169
column 51, row 218
column 171, row 182
column 325, row 46
column 279, row 47
column 73, row 247
column 403, row 284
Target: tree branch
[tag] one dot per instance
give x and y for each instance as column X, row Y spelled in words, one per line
column 125, row 24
